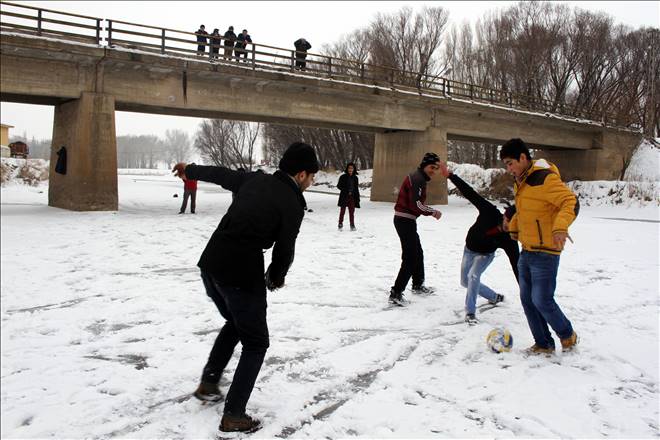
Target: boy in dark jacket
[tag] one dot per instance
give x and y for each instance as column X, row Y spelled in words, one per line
column 302, row 46
column 409, row 206
column 267, row 210
column 484, row 237
column 201, row 39
column 349, row 195
column 241, row 45
column 230, row 39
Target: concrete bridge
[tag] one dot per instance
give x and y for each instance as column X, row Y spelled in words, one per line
column 87, row 82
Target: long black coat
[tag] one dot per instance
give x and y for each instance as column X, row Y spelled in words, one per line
column 343, row 190
column 267, row 210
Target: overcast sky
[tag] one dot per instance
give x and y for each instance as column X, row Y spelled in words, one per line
column 274, row 23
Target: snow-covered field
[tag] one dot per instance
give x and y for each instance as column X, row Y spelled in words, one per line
column 106, row 326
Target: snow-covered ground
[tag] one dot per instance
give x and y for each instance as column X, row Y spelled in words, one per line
column 106, row 326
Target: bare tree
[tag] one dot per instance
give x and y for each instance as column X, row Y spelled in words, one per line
column 177, row 146
column 228, row 143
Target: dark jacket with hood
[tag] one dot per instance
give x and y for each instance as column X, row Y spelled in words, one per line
column 302, row 45
column 267, row 210
column 348, row 183
column 486, row 234
column 230, row 38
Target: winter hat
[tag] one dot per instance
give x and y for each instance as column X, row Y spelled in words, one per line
column 299, row 157
column 509, row 212
column 429, row 159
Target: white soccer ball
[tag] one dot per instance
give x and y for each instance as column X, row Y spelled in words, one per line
column 499, row 340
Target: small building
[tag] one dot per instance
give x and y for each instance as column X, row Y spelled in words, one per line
column 4, row 139
column 19, row 149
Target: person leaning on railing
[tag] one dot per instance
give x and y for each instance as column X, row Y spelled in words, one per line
column 230, row 38
column 241, row 43
column 201, row 40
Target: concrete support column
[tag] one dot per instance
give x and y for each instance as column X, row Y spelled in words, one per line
column 86, row 127
column 606, row 161
column 398, row 153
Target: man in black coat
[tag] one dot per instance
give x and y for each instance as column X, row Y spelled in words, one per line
column 349, row 195
column 201, row 39
column 241, row 45
column 302, row 46
column 230, row 39
column 267, row 210
column 215, row 40
column 485, row 236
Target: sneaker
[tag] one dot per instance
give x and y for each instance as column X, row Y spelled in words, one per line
column 535, row 349
column 353, row 228
column 397, row 298
column 498, row 299
column 570, row 342
column 422, row 290
column 340, row 226
column 471, row 319
column 242, row 423
column 208, row 392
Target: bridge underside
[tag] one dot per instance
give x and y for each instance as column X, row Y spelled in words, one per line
column 86, row 84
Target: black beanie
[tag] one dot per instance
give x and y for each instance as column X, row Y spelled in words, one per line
column 429, row 159
column 299, row 157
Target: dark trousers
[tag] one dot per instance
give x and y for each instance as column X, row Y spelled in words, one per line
column 350, row 204
column 201, row 49
column 301, row 61
column 192, row 193
column 238, row 51
column 244, row 310
column 412, row 256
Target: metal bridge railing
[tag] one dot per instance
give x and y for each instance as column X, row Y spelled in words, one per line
column 116, row 33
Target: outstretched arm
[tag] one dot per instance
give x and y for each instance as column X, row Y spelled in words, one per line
column 228, row 179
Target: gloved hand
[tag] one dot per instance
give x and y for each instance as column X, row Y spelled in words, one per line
column 273, row 284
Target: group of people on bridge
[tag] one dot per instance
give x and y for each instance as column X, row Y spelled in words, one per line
column 238, row 45
column 235, row 277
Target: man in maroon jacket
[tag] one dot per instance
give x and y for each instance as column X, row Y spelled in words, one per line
column 409, row 206
column 189, row 190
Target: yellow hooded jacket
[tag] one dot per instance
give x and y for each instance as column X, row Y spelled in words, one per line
column 544, row 205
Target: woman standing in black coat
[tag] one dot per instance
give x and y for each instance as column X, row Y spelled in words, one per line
column 349, row 195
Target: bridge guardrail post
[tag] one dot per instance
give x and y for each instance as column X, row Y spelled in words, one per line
column 162, row 41
column 362, row 71
column 293, row 60
column 98, row 31
column 254, row 57
column 39, row 22
column 330, row 66
column 109, row 37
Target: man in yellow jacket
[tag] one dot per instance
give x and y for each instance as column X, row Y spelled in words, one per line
column 545, row 208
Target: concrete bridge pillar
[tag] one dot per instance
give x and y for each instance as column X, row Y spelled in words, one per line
column 397, row 153
column 606, row 161
column 86, row 127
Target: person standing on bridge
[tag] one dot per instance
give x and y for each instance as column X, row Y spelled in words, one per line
column 302, row 46
column 215, row 42
column 230, row 39
column 241, row 44
column 349, row 195
column 201, row 40
column 546, row 207
column 268, row 210
column 410, row 205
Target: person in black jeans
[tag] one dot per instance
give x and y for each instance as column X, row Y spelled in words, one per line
column 201, row 39
column 241, row 45
column 409, row 206
column 484, row 237
column 267, row 210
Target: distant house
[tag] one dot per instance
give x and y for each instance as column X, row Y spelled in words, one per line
column 19, row 149
column 4, row 139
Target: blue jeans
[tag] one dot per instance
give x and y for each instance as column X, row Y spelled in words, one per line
column 538, row 279
column 472, row 266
